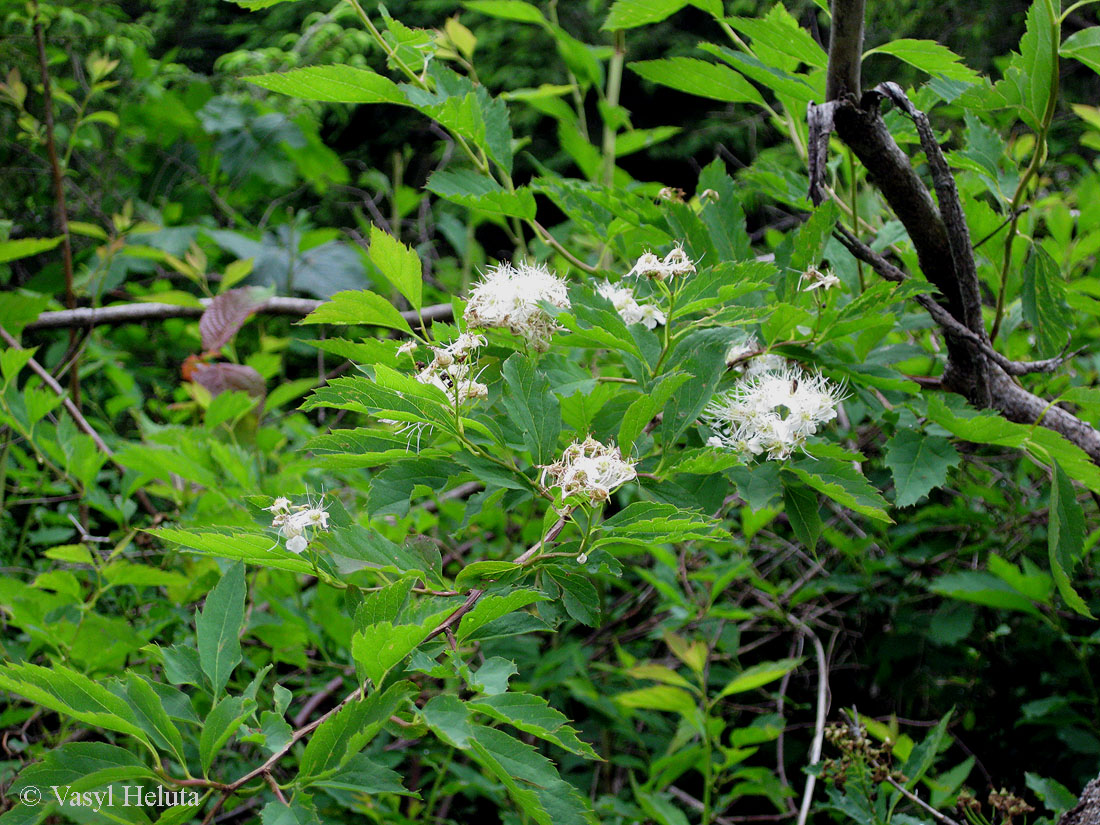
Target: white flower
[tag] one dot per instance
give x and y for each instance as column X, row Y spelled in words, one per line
column 582, row 558
column 761, row 364
column 450, row 369
column 741, row 349
column 407, row 348
column 622, row 298
column 509, row 297
column 279, row 505
column 814, row 278
column 294, row 522
column 589, row 469
column 771, row 412
column 675, row 263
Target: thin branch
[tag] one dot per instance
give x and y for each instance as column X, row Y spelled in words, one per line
column 138, row 312
column 912, row 797
column 941, row 316
column 77, row 416
column 58, row 191
column 822, row 713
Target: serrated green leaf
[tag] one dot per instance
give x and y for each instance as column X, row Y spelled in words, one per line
column 629, row 14
column 221, row 723
column 492, row 607
column 1043, row 297
column 358, row 307
column 918, row 463
column 929, row 56
column 449, row 717
column 534, row 410
column 400, row 264
column 1084, row 46
column 333, row 84
column 532, row 714
column 800, row 503
column 349, row 730
column 1066, row 538
column 531, row 779
column 380, row 647
column 219, row 628
column 362, row 775
column 843, row 484
column 979, row 587
column 25, row 247
column 698, row 77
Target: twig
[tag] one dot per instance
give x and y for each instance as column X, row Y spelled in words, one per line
column 77, row 416
column 912, row 797
column 822, row 712
column 58, row 191
column 941, row 316
column 138, row 312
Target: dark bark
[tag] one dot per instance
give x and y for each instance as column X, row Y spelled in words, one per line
column 939, row 233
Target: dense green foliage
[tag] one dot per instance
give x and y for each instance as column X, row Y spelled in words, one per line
column 344, row 567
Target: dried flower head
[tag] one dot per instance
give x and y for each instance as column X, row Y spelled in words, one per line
column 771, row 412
column 671, row 193
column 509, row 297
column 590, row 470
column 451, row 367
column 632, row 312
column 674, row 263
column 295, row 521
column 813, row 278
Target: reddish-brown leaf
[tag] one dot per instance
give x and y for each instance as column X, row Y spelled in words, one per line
column 227, row 314
column 221, row 377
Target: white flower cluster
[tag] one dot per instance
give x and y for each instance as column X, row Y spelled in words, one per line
column 589, row 469
column 741, row 354
column 813, row 278
column 509, row 297
column 772, row 412
column 674, row 263
column 293, row 521
column 632, row 312
column 450, row 369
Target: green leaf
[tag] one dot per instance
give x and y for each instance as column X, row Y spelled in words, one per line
column 378, row 648
column 759, row 675
column 1084, row 46
column 515, row 10
column 69, row 693
column 298, row 812
column 843, row 484
column 661, row 697
column 219, row 627
column 1043, row 297
column 532, row 714
column 928, row 56
column 251, row 548
column 220, row 724
column 358, row 307
column 333, row 84
column 919, row 463
column 779, row 32
column 531, row 779
column 83, row 766
column 152, row 716
column 361, row 775
column 349, row 730
column 579, row 596
column 643, row 409
column 479, row 573
column 1055, row 797
column 490, row 608
column 400, row 264
column 449, row 717
column 979, row 587
column 25, row 247
column 629, row 14
column 981, row 428
column 800, row 503
column 698, row 77
column 533, row 409
column 392, row 488
column 475, row 191
column 1066, row 538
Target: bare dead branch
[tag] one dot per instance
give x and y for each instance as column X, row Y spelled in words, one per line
column 845, row 50
column 138, row 312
